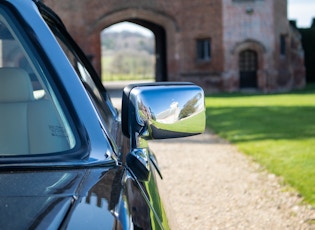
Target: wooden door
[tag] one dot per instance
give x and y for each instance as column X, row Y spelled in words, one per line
column 248, row 69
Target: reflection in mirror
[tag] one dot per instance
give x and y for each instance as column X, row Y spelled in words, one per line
column 168, row 110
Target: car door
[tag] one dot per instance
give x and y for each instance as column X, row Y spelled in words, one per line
column 143, row 198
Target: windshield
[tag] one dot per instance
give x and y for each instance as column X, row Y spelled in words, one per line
column 32, row 119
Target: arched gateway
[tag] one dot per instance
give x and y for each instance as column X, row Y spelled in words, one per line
column 85, row 19
column 159, row 24
column 194, row 39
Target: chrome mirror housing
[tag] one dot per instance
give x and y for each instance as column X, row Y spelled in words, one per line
column 163, row 110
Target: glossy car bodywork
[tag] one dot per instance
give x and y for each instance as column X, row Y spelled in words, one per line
column 104, row 177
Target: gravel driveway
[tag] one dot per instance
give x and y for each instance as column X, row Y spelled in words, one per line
column 210, row 185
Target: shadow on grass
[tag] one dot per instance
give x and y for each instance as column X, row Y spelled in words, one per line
column 244, row 124
column 309, row 88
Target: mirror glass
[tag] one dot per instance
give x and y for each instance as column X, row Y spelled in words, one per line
column 169, row 111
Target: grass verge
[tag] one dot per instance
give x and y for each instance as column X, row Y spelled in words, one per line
column 277, row 130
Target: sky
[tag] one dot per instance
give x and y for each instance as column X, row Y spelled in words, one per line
column 302, row 11
column 130, row 27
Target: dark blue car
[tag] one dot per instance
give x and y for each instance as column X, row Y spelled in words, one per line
column 68, row 158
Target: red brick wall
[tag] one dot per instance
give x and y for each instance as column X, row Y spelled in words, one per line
column 231, row 26
column 184, row 22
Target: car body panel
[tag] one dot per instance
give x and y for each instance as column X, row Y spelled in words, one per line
column 42, row 200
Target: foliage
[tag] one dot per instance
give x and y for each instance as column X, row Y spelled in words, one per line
column 127, row 55
column 125, row 67
column 278, row 131
column 189, row 108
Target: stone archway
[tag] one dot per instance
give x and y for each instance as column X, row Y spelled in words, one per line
column 163, row 28
column 253, row 53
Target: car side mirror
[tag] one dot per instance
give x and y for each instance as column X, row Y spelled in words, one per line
column 162, row 110
column 159, row 111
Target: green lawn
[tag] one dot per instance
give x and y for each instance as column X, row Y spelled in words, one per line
column 277, row 130
column 191, row 125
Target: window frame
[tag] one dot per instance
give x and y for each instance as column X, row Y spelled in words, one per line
column 203, row 49
column 283, row 45
column 109, row 116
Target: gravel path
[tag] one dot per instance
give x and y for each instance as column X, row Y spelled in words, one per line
column 210, row 185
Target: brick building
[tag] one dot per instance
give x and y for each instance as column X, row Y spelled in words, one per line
column 222, row 45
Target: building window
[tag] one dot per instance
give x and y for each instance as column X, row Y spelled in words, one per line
column 204, row 49
column 283, row 45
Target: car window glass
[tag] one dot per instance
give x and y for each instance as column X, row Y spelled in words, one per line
column 32, row 119
column 85, row 76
